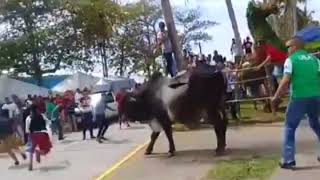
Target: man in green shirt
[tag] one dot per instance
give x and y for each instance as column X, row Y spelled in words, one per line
column 302, row 71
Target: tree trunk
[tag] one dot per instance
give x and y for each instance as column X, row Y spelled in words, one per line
column 234, row 26
column 287, row 25
column 293, row 7
column 103, row 54
column 122, row 62
column 168, row 16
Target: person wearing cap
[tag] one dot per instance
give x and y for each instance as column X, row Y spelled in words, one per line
column 302, row 72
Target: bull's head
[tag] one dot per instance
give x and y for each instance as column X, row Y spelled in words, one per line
column 133, row 107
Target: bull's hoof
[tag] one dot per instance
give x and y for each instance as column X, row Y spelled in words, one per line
column 171, row 154
column 220, row 151
column 148, row 153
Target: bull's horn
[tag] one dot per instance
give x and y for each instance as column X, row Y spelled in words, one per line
column 132, row 99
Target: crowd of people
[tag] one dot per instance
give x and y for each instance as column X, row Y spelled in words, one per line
column 33, row 121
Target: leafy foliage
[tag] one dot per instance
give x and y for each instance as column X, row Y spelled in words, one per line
column 39, row 38
column 43, row 36
column 134, row 42
column 193, row 27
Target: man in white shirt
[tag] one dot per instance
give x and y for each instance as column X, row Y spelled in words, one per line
column 11, row 107
column 14, row 113
column 167, row 52
column 78, row 96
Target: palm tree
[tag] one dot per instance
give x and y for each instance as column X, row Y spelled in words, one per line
column 168, row 16
column 234, row 26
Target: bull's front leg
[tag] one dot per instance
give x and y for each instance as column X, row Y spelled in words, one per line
column 220, row 127
column 165, row 122
column 168, row 131
column 154, row 137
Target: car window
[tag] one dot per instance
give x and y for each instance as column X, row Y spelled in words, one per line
column 109, row 98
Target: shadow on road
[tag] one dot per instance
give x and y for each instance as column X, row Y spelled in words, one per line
column 135, row 128
column 306, row 168
column 19, row 167
column 58, row 167
column 232, row 153
column 116, row 141
column 67, row 141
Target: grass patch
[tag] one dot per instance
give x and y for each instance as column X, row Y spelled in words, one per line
column 250, row 115
column 259, row 168
column 180, row 127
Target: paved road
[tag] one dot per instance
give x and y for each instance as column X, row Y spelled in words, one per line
column 75, row 159
column 195, row 154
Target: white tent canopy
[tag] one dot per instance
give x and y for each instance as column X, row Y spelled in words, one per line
column 102, row 85
column 78, row 80
column 9, row 86
column 113, row 84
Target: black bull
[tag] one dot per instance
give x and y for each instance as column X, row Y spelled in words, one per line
column 195, row 92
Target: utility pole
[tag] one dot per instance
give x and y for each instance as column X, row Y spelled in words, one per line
column 293, row 5
column 234, row 26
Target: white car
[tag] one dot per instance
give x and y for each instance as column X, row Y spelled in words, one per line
column 111, row 102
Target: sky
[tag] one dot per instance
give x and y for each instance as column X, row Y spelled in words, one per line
column 215, row 10
column 222, row 34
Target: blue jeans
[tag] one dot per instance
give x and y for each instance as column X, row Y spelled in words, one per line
column 296, row 111
column 170, row 63
column 57, row 128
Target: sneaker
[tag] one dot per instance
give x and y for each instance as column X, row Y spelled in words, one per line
column 99, row 140
column 24, row 156
column 289, row 165
column 38, row 158
column 103, row 138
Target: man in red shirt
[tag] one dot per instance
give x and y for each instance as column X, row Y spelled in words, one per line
column 267, row 53
column 271, row 55
column 119, row 98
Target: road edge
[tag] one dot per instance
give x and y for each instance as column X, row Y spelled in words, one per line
column 122, row 161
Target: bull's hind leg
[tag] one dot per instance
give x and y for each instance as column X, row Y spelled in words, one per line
column 164, row 120
column 168, row 131
column 154, row 137
column 220, row 127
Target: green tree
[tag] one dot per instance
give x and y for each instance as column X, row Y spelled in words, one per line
column 96, row 21
column 193, row 27
column 38, row 38
column 132, row 48
column 141, row 27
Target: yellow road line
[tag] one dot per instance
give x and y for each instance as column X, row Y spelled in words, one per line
column 118, row 164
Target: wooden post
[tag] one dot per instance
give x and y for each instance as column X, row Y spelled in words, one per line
column 270, row 87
